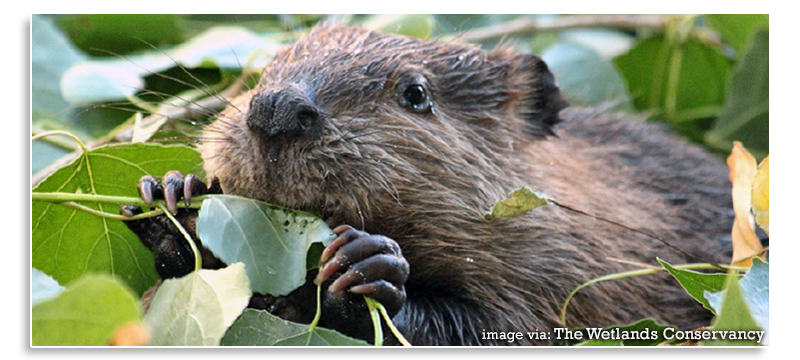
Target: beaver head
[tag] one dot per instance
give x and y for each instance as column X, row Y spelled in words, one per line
column 352, row 123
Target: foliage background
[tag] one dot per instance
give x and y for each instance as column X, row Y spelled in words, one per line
column 706, row 76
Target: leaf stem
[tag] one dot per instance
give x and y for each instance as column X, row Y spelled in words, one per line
column 110, row 215
column 61, row 132
column 389, row 323
column 318, row 315
column 53, row 140
column 58, row 197
column 198, row 260
column 626, row 274
column 373, row 305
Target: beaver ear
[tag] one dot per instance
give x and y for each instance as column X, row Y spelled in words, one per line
column 541, row 99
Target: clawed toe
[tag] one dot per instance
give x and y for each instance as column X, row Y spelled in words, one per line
column 173, row 187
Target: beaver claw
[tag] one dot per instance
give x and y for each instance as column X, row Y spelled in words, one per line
column 173, row 255
column 373, row 266
column 172, row 187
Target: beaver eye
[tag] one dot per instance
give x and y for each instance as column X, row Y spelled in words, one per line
column 416, row 98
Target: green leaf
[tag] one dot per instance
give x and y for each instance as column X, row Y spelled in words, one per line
column 732, row 315
column 645, row 332
column 696, row 283
column 43, row 287
column 198, row 308
column 99, row 34
column 413, row 25
column 68, row 243
column 738, row 29
column 518, row 203
column 684, row 82
column 85, row 314
column 754, row 287
column 260, row 328
column 272, row 241
column 584, row 77
column 113, row 79
column 745, row 116
column 314, row 254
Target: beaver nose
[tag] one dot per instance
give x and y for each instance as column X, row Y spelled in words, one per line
column 287, row 111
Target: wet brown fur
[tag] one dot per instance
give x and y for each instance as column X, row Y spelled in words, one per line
column 425, row 181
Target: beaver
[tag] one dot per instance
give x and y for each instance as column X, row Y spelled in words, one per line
column 403, row 144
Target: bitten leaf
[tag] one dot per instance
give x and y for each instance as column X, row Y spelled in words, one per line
column 519, row 202
column 271, row 241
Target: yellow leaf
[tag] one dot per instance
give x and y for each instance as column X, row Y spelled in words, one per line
column 518, row 203
column 760, row 195
column 745, row 242
column 130, row 335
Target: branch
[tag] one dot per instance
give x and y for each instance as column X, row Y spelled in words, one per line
column 530, row 25
column 58, row 198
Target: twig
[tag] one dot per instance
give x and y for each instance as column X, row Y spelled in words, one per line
column 563, row 315
column 57, row 197
column 112, row 216
column 530, row 25
column 198, row 260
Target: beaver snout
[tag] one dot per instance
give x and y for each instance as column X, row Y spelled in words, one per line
column 287, row 111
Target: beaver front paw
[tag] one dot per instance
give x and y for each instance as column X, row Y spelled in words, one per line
column 173, row 254
column 370, row 265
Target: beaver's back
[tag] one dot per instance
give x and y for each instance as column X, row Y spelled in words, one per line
column 639, row 176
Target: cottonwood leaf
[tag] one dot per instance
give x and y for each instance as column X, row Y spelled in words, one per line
column 260, row 328
column 737, row 29
column 103, row 34
column 68, row 243
column 271, row 241
column 745, row 115
column 87, row 313
column 685, row 81
column 518, row 203
column 583, row 76
column 197, row 309
column 695, row 283
column 750, row 301
column 414, row 25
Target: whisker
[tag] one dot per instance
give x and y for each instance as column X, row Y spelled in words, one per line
column 197, row 106
column 171, row 78
column 244, row 70
column 215, row 93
